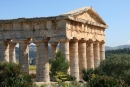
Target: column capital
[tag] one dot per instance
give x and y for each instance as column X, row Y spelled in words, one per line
column 53, row 41
column 5, row 41
column 90, row 41
column 96, row 42
column 102, row 42
column 83, row 40
column 74, row 39
column 12, row 43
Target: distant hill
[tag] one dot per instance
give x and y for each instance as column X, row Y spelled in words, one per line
column 117, row 47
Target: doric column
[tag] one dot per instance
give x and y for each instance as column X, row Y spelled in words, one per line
column 96, row 54
column 4, row 51
column 82, row 57
column 42, row 62
column 64, row 47
column 37, row 62
column 74, row 61
column 90, row 58
column 24, row 55
column 12, row 56
column 53, row 49
column 102, row 51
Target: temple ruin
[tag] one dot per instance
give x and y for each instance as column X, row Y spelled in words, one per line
column 80, row 33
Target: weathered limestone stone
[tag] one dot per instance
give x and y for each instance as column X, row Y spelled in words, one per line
column 66, row 29
column 96, row 54
column 12, row 55
column 102, row 51
column 42, row 63
column 74, row 61
column 82, row 57
column 90, row 59
column 37, row 62
column 53, row 49
column 24, row 55
column 64, row 47
column 4, row 51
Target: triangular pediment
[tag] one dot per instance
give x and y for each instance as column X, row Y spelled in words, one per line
column 86, row 13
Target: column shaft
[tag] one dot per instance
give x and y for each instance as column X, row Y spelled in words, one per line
column 24, row 56
column 4, row 51
column 74, row 61
column 102, row 51
column 96, row 55
column 53, row 49
column 90, row 59
column 42, row 63
column 12, row 55
column 82, row 57
column 64, row 47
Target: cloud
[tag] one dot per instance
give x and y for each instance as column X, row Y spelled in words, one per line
column 128, row 42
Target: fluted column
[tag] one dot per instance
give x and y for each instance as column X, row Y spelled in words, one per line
column 90, row 59
column 82, row 57
column 74, row 61
column 64, row 47
column 53, row 49
column 96, row 54
column 4, row 51
column 102, row 51
column 42, row 62
column 37, row 61
column 12, row 55
column 24, row 55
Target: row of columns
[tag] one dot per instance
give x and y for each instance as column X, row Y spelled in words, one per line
column 7, row 53
column 81, row 54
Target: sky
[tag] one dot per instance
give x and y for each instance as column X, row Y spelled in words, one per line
column 115, row 13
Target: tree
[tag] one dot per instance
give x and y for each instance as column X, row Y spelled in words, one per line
column 117, row 66
column 59, row 68
column 11, row 75
column 59, row 64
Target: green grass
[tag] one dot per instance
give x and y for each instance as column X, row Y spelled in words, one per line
column 32, row 67
column 66, row 84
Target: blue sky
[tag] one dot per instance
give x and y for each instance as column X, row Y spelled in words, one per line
column 115, row 13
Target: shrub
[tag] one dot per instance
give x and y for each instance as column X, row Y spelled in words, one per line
column 59, row 64
column 87, row 74
column 59, row 68
column 104, row 81
column 117, row 67
column 61, row 77
column 11, row 75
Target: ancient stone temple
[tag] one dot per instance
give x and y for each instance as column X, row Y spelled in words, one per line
column 80, row 33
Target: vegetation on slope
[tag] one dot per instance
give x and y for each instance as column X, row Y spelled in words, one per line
column 111, row 53
column 117, row 67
